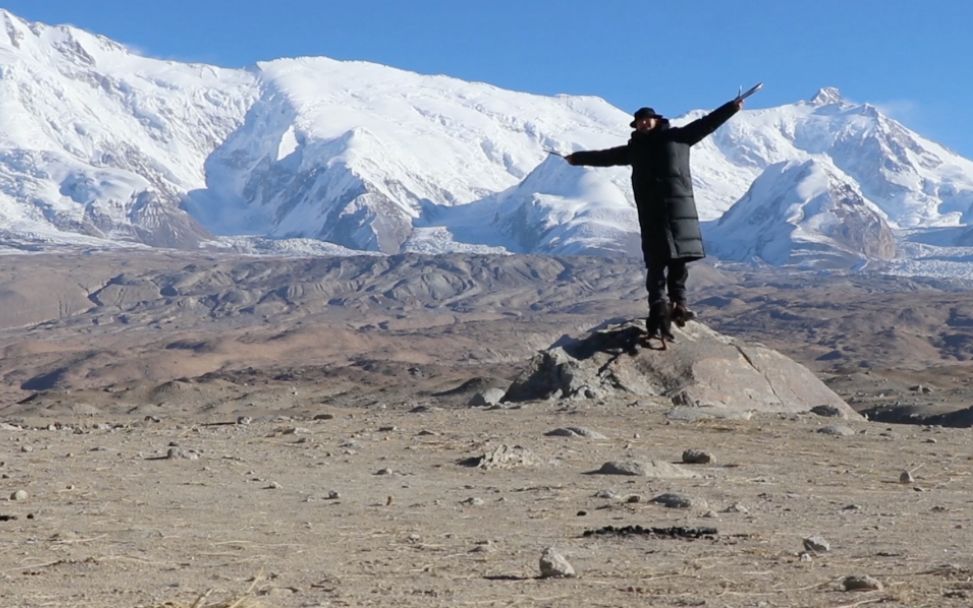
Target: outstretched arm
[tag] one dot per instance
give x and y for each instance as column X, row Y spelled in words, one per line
column 600, row 158
column 701, row 127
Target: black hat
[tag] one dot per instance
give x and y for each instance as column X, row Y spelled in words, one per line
column 644, row 113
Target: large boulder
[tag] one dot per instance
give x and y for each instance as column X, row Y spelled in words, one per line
column 703, row 368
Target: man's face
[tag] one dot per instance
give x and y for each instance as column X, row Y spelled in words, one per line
column 646, row 124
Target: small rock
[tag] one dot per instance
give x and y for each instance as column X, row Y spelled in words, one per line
column 554, row 565
column 673, row 501
column 633, row 499
column 837, row 430
column 181, row 454
column 693, row 456
column 26, row 449
column 861, row 583
column 244, row 420
column 711, row 515
column 575, row 431
column 333, row 495
column 473, row 501
column 323, row 417
column 805, row 557
column 906, row 477
column 384, row 472
column 652, row 468
column 273, row 486
column 826, row 411
column 19, row 495
column 491, row 396
column 736, row 508
column 607, row 494
column 817, row 544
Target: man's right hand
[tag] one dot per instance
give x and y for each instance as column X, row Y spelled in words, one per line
column 570, row 159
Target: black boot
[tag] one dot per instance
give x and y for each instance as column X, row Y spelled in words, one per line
column 680, row 314
column 657, row 324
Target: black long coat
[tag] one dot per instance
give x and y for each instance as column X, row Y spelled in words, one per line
column 663, row 184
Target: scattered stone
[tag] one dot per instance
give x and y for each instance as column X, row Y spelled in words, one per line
column 851, row 508
column 652, row 468
column 385, row 471
column 19, row 495
column 244, row 420
column 919, row 388
column 554, row 565
column 817, row 544
column 711, row 515
column 607, row 494
column 693, row 456
column 837, row 430
column 333, row 495
column 736, row 508
column 805, row 557
column 674, row 501
column 906, row 477
column 633, row 499
column 575, row 431
column 930, row 440
column 503, row 457
column 861, row 583
column 177, row 453
column 323, row 417
column 273, row 486
column 826, row 411
column 473, row 501
column 491, row 396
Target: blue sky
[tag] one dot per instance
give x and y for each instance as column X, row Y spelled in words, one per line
column 912, row 59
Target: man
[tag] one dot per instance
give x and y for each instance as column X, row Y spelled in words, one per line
column 663, row 187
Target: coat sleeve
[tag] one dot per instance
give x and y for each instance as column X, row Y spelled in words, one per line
column 602, row 158
column 701, row 127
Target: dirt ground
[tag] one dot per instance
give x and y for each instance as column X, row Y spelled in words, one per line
column 376, row 507
column 297, row 433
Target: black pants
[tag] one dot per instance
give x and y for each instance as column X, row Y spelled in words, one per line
column 658, row 280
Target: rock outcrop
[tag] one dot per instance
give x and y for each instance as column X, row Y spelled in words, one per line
column 702, row 369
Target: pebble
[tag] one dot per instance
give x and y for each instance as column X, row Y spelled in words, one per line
column 633, row 499
column 607, row 494
column 861, row 583
column 673, row 501
column 694, row 456
column 244, row 420
column 906, row 477
column 27, row 449
column 554, row 565
column 19, row 495
column 575, row 431
column 273, row 486
column 177, row 453
column 384, row 472
column 473, row 501
column 736, row 508
column 837, row 430
column 333, row 495
column 817, row 544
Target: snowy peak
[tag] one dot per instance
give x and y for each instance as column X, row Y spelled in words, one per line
column 828, row 96
column 803, row 212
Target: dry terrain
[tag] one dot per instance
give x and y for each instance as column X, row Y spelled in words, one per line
column 297, row 432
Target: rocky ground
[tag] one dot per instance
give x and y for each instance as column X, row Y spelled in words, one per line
column 299, row 433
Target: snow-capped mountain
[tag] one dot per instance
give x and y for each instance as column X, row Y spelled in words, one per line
column 101, row 145
column 799, row 211
column 97, row 141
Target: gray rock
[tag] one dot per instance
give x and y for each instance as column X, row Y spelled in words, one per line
column 26, row 449
column 836, row 430
column 575, row 431
column 706, row 368
column 503, row 457
column 491, row 396
column 652, row 468
column 694, row 456
column 817, row 544
column 473, row 501
column 607, row 494
column 675, row 501
column 736, row 508
column 19, row 495
column 861, row 583
column 906, row 477
column 177, row 453
column 554, row 565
